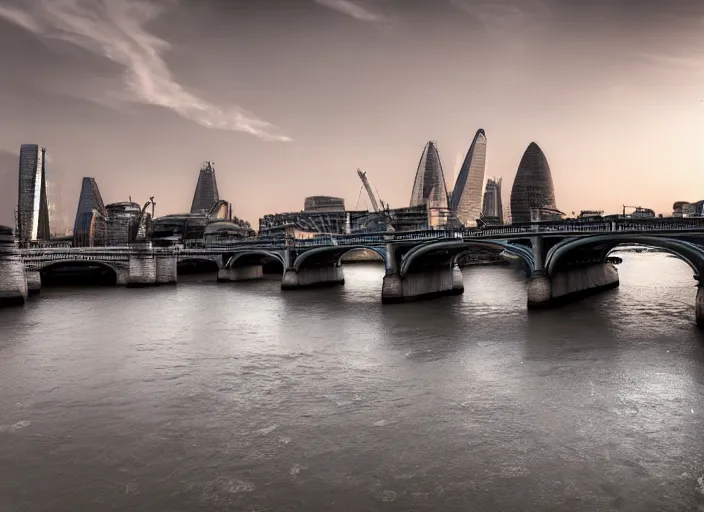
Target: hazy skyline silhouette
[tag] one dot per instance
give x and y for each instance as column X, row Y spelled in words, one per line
column 289, row 98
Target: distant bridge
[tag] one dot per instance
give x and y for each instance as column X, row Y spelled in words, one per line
column 562, row 260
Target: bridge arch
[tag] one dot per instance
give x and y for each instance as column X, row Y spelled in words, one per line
column 258, row 255
column 333, row 254
column 690, row 253
column 47, row 267
column 449, row 251
column 190, row 264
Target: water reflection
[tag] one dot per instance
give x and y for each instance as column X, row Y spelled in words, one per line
column 236, row 396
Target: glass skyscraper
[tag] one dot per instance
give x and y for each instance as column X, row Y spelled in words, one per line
column 90, row 227
column 206, row 194
column 493, row 209
column 466, row 202
column 429, row 187
column 32, row 204
column 533, row 188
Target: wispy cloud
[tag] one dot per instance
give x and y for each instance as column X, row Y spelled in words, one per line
column 19, row 17
column 505, row 15
column 675, row 61
column 115, row 29
column 355, row 10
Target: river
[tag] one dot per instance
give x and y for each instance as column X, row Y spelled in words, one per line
column 237, row 396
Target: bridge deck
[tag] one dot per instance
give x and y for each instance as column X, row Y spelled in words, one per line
column 659, row 227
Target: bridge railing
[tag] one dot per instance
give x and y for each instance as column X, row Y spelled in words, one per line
column 50, row 252
column 266, row 244
column 661, row 225
column 576, row 227
column 39, row 260
column 621, row 225
column 371, row 238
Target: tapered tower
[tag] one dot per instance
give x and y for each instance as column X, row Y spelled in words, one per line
column 90, row 227
column 466, row 202
column 206, row 194
column 429, row 186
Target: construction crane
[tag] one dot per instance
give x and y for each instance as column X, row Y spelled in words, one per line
column 133, row 228
column 365, row 182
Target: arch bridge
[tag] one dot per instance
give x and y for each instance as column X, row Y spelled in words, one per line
column 562, row 261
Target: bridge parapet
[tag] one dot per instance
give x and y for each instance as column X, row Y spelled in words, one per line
column 579, row 228
column 686, row 224
column 37, row 259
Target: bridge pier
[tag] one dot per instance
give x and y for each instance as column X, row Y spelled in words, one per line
column 34, row 282
column 421, row 285
column 570, row 285
column 306, row 277
column 13, row 282
column 699, row 305
column 246, row 273
column 142, row 265
column 539, row 291
column 166, row 266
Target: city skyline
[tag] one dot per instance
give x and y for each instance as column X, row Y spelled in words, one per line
column 602, row 83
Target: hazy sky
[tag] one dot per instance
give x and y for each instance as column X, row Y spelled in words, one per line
column 290, row 97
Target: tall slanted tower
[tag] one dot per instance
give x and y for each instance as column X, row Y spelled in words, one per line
column 206, row 194
column 466, row 202
column 32, row 204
